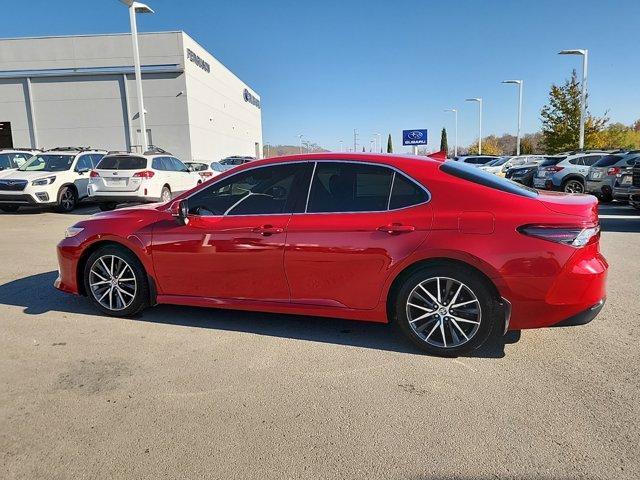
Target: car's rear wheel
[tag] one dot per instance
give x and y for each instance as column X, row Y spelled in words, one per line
column 107, row 207
column 67, row 199
column 165, row 196
column 573, row 186
column 9, row 208
column 116, row 281
column 446, row 310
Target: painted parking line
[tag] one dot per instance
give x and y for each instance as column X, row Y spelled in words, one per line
column 620, row 217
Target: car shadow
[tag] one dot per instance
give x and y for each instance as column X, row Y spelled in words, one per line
column 37, row 296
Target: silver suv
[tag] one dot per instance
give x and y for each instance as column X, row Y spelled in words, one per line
column 603, row 175
column 568, row 174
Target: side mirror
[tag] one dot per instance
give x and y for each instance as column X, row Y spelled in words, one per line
column 82, row 171
column 180, row 210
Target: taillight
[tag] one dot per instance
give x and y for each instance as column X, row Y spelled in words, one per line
column 575, row 236
column 205, row 174
column 144, row 174
column 555, row 168
column 613, row 171
column 94, row 174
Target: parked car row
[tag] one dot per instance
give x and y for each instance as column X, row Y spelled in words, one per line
column 61, row 177
column 607, row 175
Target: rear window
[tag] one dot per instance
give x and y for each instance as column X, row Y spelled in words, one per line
column 607, row 161
column 122, row 162
column 550, row 161
column 476, row 175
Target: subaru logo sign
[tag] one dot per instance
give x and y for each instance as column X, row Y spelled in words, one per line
column 414, row 137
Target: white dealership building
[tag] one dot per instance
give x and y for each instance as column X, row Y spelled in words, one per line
column 80, row 91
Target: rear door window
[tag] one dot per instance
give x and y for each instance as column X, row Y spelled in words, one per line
column 590, row 160
column 122, row 162
column 349, row 187
column 406, row 193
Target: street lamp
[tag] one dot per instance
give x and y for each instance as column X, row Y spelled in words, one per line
column 520, row 84
column 137, row 7
column 341, row 146
column 479, row 100
column 300, row 137
column 455, row 145
column 583, row 95
column 378, row 143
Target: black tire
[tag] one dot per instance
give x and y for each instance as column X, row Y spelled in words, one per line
column 606, row 199
column 635, row 205
column 9, row 208
column 67, row 199
column 107, row 207
column 141, row 297
column 489, row 309
column 569, row 183
column 166, row 191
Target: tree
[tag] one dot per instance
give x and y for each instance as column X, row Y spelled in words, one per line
column 444, row 145
column 489, row 146
column 561, row 119
column 363, row 150
column 526, row 146
column 389, row 145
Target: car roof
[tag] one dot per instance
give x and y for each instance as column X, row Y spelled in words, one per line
column 389, row 159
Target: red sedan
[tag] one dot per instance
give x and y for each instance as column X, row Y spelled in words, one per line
column 447, row 252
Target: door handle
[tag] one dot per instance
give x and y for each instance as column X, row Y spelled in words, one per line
column 395, row 228
column 267, row 230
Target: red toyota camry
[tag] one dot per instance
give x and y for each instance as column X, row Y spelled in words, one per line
column 445, row 251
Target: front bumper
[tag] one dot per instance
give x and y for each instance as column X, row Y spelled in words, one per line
column 24, row 199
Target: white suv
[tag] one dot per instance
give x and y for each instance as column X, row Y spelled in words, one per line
column 12, row 158
column 136, row 178
column 57, row 177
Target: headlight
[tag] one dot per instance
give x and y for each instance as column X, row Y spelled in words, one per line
column 72, row 231
column 43, row 181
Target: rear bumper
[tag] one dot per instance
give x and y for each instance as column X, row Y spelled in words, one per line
column 563, row 294
column 583, row 317
column 120, row 198
column 599, row 188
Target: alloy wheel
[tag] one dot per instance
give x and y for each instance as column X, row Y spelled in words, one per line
column 443, row 312
column 67, row 199
column 574, row 186
column 166, row 195
column 113, row 282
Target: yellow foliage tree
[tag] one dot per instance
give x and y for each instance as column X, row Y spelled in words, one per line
column 489, row 147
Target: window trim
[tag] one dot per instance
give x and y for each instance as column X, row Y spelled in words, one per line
column 315, row 164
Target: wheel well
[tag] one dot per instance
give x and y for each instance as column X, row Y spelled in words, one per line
column 95, row 246
column 167, row 185
column 572, row 177
column 397, row 282
column 71, row 185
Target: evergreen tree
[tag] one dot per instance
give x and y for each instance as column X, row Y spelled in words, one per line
column 389, row 145
column 444, row 145
column 561, row 119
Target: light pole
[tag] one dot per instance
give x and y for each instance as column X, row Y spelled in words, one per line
column 137, row 7
column 300, row 137
column 479, row 100
column 341, row 146
column 455, row 115
column 583, row 95
column 520, row 84
column 379, row 142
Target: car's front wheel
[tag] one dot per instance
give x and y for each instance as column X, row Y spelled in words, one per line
column 67, row 199
column 446, row 310
column 116, row 281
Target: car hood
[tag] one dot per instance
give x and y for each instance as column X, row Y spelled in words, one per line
column 26, row 175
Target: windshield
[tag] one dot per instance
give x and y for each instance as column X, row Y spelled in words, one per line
column 218, row 167
column 197, row 167
column 13, row 160
column 48, row 163
column 499, row 161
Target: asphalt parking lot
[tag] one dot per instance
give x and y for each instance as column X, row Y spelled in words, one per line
column 193, row 393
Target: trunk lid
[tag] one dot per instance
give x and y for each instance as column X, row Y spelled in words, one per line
column 584, row 207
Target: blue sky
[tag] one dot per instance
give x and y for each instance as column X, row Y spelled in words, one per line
column 326, row 67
